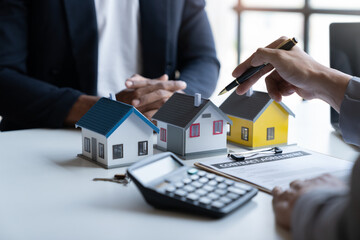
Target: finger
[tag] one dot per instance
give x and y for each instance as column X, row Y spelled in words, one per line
column 247, row 64
column 153, row 105
column 276, row 191
column 164, row 77
column 137, row 81
column 297, row 184
column 245, row 86
column 152, row 97
column 272, row 86
column 170, row 86
column 150, row 114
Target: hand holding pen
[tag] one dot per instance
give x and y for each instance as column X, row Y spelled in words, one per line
column 295, row 71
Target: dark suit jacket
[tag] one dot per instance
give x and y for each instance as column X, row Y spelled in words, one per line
column 48, row 54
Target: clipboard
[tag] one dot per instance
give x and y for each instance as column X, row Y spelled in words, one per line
column 264, row 172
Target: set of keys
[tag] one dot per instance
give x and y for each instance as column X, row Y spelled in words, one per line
column 118, row 178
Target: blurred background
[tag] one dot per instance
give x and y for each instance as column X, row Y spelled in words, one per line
column 241, row 26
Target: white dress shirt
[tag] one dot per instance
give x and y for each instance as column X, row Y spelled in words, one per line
column 119, row 43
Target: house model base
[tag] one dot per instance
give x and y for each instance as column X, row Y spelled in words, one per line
column 204, row 154
column 101, row 164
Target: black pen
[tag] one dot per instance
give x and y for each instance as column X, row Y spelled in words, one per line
column 286, row 45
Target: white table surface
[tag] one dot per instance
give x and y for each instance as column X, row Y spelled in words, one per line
column 48, row 193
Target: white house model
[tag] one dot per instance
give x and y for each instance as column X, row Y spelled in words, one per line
column 191, row 126
column 115, row 134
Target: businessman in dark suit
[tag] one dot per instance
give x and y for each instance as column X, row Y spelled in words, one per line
column 49, row 59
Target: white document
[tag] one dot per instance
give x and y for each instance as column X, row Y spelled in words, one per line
column 266, row 171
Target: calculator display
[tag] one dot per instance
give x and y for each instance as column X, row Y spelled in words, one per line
column 156, row 169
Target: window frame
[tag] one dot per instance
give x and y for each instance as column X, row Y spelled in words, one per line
column 191, row 130
column 221, row 128
column 101, row 150
column 306, row 11
column 122, row 151
column 87, row 145
column 163, row 134
column 268, row 136
column 142, row 153
column 243, row 135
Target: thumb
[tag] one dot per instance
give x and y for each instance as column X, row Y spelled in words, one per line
column 164, row 77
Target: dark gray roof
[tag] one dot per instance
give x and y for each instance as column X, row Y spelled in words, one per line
column 180, row 111
column 249, row 108
column 107, row 115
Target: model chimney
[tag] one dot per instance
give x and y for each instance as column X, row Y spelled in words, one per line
column 197, row 99
column 250, row 92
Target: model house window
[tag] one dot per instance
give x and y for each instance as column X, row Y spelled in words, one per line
column 206, row 115
column 245, row 133
column 101, row 150
column 143, row 148
column 195, row 130
column 118, row 151
column 270, row 135
column 163, row 134
column 228, row 129
column 218, row 127
column 87, row 144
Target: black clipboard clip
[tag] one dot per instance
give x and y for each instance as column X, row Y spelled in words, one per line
column 244, row 155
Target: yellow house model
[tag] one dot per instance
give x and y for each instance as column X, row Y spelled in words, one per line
column 258, row 121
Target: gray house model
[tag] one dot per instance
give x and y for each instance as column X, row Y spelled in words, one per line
column 115, row 134
column 191, row 126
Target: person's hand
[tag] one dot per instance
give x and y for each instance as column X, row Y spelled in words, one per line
column 295, row 72
column 284, row 201
column 148, row 95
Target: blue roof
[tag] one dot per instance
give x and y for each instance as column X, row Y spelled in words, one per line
column 107, row 115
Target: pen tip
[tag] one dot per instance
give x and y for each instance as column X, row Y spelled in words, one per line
column 222, row 92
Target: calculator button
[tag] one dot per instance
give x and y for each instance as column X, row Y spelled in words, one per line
column 192, row 171
column 180, row 193
column 217, row 205
column 222, row 186
column 201, row 192
column 201, row 173
column 225, row 200
column 170, row 189
column 204, row 201
column 232, row 196
column 189, row 188
column 236, row 190
column 210, row 176
column 229, row 182
column 212, row 183
column 213, row 196
column 192, row 197
column 196, row 184
column 203, row 180
column 208, row 188
column 194, row 177
column 243, row 186
column 186, row 180
column 220, row 179
column 179, row 184
column 220, row 191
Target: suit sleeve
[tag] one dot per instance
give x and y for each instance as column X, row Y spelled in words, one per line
column 25, row 102
column 198, row 64
column 326, row 213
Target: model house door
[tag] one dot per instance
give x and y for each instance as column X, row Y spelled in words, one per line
column 93, row 148
column 176, row 140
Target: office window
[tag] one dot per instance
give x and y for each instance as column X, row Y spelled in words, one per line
column 143, row 148
column 245, row 133
column 118, row 151
column 195, row 130
column 206, row 115
column 163, row 134
column 228, row 129
column 218, row 127
column 260, row 20
column 270, row 133
column 87, row 144
column 101, row 150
